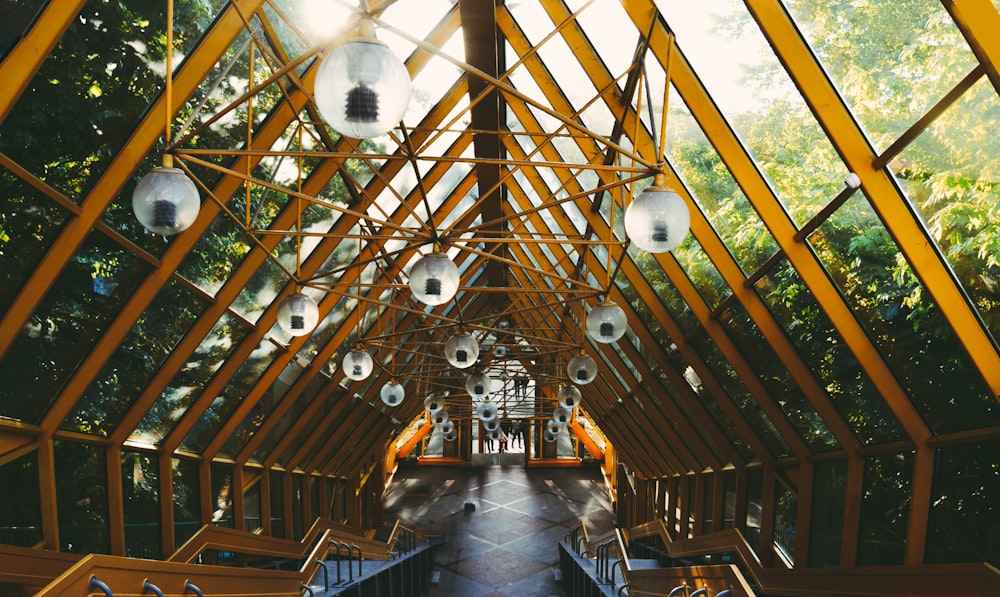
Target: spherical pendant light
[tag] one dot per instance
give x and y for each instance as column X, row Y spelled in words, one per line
column 440, row 417
column 561, row 415
column 493, row 434
column 433, row 403
column 451, row 435
column 358, row 364
column 166, row 201
column 492, row 425
column 479, row 385
column 362, row 88
column 550, row 436
column 447, row 427
column 553, row 426
column 658, row 219
column 569, row 396
column 461, row 350
column 487, row 410
column 298, row 314
column 392, row 393
column 582, row 368
column 434, row 279
column 606, row 322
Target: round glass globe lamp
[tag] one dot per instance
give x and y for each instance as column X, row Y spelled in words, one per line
column 479, row 385
column 487, row 410
column 166, row 201
column 582, row 368
column 362, row 88
column 451, row 435
column 492, row 425
column 569, row 396
column 561, row 415
column 434, row 279
column 298, row 314
column 461, row 350
column 658, row 219
column 493, row 434
column 358, row 364
column 392, row 393
column 440, row 417
column 606, row 322
column 447, row 427
column 433, row 403
column 553, row 426
column 550, row 436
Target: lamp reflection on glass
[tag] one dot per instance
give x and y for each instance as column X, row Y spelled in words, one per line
column 492, row 425
column 298, row 314
column 440, row 417
column 362, row 88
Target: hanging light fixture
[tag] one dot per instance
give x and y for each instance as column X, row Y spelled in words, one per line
column 606, row 322
column 440, row 417
column 658, row 219
column 562, row 415
column 451, row 435
column 582, row 368
column 479, row 385
column 298, row 314
column 493, row 434
column 487, row 410
column 362, row 88
column 392, row 393
column 569, row 396
column 358, row 364
column 433, row 403
column 166, row 201
column 447, row 427
column 461, row 350
column 553, row 426
column 434, row 278
column 492, row 425
column 550, row 436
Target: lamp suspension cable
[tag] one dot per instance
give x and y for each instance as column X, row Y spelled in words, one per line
column 169, row 87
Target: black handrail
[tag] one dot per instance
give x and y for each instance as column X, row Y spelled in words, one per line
column 727, row 593
column 361, row 556
column 676, row 591
column 189, row 586
column 148, row 586
column 337, row 545
column 618, row 562
column 96, row 584
column 308, row 589
column 620, row 590
column 326, row 575
column 702, row 592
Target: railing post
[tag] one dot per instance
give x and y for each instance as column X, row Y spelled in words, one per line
column 326, row 575
column 100, row 586
column 727, row 593
column 360, row 557
column 150, row 587
column 189, row 586
column 702, row 592
column 678, row 591
column 307, row 589
column 337, row 544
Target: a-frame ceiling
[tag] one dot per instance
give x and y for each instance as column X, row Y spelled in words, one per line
column 801, row 317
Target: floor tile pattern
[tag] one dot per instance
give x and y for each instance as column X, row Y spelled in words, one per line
column 506, row 545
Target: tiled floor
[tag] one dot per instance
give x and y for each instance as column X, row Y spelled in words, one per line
column 507, row 546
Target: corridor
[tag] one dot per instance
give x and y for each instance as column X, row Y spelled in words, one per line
column 507, row 545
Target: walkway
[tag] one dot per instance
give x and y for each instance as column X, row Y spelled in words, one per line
column 507, row 546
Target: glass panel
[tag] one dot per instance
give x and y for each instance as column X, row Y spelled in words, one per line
column 29, row 223
column 869, row 51
column 740, row 395
column 298, row 513
column 277, row 504
column 827, row 522
column 236, row 390
column 965, row 515
column 187, row 500
column 822, row 348
column 82, row 497
column 20, row 510
column 215, row 256
column 785, row 509
column 138, row 357
column 251, row 509
column 291, row 416
column 702, row 272
column 729, row 506
column 63, row 329
column 885, row 509
column 664, row 289
column 141, row 506
column 755, row 513
column 903, row 320
column 707, row 502
column 949, row 175
column 716, row 193
column 190, row 380
column 748, row 84
column 222, row 495
column 775, row 377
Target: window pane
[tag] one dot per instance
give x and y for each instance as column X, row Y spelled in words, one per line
column 829, row 487
column 885, row 509
column 187, row 500
column 82, row 497
column 141, row 506
column 20, row 510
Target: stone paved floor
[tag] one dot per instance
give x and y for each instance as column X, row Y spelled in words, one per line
column 507, row 546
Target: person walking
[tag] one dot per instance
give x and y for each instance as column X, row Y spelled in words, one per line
column 515, row 434
column 503, row 442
